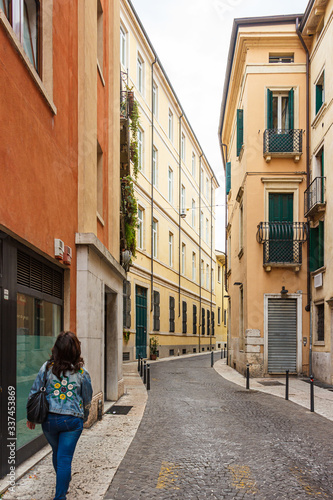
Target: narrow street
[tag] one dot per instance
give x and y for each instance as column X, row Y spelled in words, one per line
column 204, row 437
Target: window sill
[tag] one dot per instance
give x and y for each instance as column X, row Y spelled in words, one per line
column 318, row 271
column 319, row 115
column 319, row 343
column 33, row 73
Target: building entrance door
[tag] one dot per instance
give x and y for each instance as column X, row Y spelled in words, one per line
column 141, row 321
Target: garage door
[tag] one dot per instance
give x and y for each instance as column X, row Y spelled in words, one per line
column 282, row 335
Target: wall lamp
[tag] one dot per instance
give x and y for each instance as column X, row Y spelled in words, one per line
column 238, row 283
column 284, row 291
column 183, row 215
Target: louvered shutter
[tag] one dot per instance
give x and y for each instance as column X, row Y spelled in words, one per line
column 240, row 128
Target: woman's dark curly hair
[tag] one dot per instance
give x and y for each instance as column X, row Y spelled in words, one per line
column 66, row 354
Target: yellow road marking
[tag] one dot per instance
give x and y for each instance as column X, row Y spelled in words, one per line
column 168, row 476
column 242, row 478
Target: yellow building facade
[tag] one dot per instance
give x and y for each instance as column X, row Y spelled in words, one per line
column 262, row 136
column 172, row 278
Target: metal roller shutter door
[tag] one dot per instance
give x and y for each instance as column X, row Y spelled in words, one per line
column 282, row 335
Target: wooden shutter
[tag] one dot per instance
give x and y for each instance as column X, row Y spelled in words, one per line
column 240, row 128
column 228, row 177
column 184, row 316
column 194, row 319
column 156, row 311
column 213, row 323
column 291, row 108
column 203, row 316
column 171, row 314
column 269, row 109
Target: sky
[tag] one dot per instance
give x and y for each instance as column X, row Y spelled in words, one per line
column 191, row 39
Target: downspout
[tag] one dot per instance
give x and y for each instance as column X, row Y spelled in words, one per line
column 200, row 284
column 211, row 262
column 309, row 304
column 152, row 192
column 179, row 210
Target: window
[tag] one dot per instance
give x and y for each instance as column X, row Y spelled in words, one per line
column 183, row 200
column 207, row 276
column 99, row 180
column 155, row 166
column 170, row 249
column 171, row 314
column 100, row 41
column 155, row 99
column 140, row 228
column 280, row 110
column 281, row 58
column 139, row 74
column 155, row 239
column 193, row 166
column 213, row 284
column 194, row 319
column 183, row 147
column 193, row 213
column 202, row 180
column 208, row 322
column 194, row 266
column 317, row 247
column 123, row 46
column 320, row 94
column 228, row 177
column 170, row 185
column 140, row 148
column 201, row 223
column 207, row 231
column 240, row 127
column 219, row 273
column 203, row 321
column 207, row 188
column 184, row 317
column 170, row 130
column 202, row 273
column 156, row 311
column 218, row 315
column 183, row 257
column 320, row 320
column 24, row 17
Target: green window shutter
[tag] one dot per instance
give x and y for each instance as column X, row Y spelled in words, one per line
column 228, row 177
column 240, row 128
column 291, row 108
column 269, row 109
column 321, row 244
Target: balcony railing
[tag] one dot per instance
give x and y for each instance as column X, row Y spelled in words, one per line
column 314, row 196
column 282, row 242
column 280, row 142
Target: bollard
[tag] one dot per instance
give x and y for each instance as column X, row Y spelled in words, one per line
column 141, row 367
column 139, row 357
column 287, row 385
column 247, row 376
column 145, row 372
column 311, row 394
column 148, row 377
column 224, row 353
column 211, row 359
column 221, row 353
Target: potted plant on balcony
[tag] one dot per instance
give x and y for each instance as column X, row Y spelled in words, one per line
column 153, row 345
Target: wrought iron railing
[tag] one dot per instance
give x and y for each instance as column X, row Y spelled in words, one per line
column 314, row 194
column 282, row 241
column 283, row 141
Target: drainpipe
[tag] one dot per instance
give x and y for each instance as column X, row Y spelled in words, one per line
column 152, row 193
column 200, row 284
column 179, row 210
column 211, row 262
column 309, row 304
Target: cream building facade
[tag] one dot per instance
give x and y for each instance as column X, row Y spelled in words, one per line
column 262, row 138
column 172, row 278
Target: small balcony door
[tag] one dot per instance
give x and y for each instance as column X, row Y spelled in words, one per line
column 281, row 234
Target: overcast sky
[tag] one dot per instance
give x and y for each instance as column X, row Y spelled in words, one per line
column 191, row 38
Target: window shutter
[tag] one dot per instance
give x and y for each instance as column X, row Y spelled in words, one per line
column 321, row 244
column 228, row 177
column 291, row 108
column 240, row 128
column 184, row 316
column 194, row 319
column 156, row 311
column 202, row 321
column 269, row 109
column 213, row 323
column 171, row 314
column 208, row 322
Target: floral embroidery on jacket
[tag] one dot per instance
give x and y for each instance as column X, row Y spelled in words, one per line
column 63, row 391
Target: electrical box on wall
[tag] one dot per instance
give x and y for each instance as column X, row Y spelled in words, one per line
column 59, row 248
column 67, row 258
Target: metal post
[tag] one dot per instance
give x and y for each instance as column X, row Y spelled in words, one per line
column 145, row 372
column 248, row 376
column 141, row 367
column 311, row 394
column 211, row 359
column 148, row 377
column 222, row 353
column 287, row 385
column 139, row 357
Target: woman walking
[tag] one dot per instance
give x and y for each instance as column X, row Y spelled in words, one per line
column 69, row 393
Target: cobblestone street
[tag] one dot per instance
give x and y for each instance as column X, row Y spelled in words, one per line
column 204, row 437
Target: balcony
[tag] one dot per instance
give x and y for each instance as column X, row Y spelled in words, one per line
column 283, row 143
column 314, row 197
column 282, row 243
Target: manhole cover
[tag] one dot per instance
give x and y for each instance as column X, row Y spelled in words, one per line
column 270, row 382
column 119, row 410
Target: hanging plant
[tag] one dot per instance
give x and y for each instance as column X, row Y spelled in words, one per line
column 129, row 211
column 134, row 126
column 126, row 335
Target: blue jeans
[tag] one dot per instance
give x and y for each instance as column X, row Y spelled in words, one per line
column 62, row 432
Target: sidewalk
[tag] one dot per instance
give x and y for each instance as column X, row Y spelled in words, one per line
column 97, row 456
column 299, row 391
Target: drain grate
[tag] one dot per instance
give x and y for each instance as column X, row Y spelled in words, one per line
column 119, row 410
column 270, row 382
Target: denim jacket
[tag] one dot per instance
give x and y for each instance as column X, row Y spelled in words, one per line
column 70, row 395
